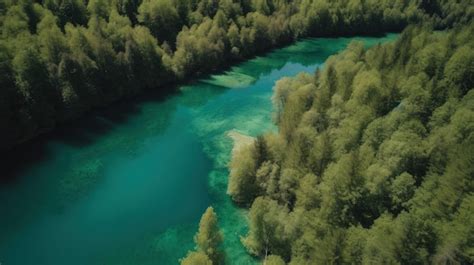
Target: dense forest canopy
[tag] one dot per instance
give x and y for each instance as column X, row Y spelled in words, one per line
column 60, row 58
column 374, row 159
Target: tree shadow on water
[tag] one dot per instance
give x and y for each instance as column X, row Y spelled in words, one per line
column 86, row 133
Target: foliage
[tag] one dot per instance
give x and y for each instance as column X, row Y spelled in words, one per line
column 208, row 240
column 374, row 159
column 65, row 57
column 196, row 258
column 274, row 260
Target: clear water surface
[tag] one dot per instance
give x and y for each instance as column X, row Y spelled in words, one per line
column 128, row 186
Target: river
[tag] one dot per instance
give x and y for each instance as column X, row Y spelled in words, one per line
column 128, row 185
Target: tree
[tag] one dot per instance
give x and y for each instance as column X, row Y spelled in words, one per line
column 161, row 17
column 268, row 233
column 33, row 81
column 208, row 7
column 263, row 6
column 99, row 8
column 14, row 22
column 200, row 36
column 377, row 151
column 208, row 241
column 209, row 238
column 129, row 8
column 273, row 260
column 455, row 247
column 196, row 258
column 8, row 125
column 242, row 186
column 52, row 42
column 144, row 59
column 234, row 40
column 72, row 11
column 402, row 190
column 460, row 69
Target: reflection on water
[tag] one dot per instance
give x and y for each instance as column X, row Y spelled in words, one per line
column 128, row 185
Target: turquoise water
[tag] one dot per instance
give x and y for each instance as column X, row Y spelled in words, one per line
column 128, row 185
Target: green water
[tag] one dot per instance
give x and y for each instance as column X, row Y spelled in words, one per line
column 128, row 185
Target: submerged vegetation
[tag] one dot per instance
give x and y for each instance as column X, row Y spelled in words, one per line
column 60, row 58
column 374, row 159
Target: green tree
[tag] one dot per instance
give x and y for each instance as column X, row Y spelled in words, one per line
column 34, row 84
column 196, row 258
column 129, row 8
column 270, row 229
column 161, row 17
column 263, row 6
column 72, row 11
column 8, row 125
column 459, row 69
column 99, row 8
column 273, row 260
column 242, row 186
column 372, row 162
column 209, row 238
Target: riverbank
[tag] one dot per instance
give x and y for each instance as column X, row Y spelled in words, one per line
column 140, row 175
column 161, row 91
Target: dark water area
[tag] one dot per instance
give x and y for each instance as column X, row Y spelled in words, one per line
column 128, row 185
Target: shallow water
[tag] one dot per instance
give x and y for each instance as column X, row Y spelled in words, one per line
column 128, row 185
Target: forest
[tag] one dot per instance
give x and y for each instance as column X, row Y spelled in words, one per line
column 373, row 162
column 61, row 58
